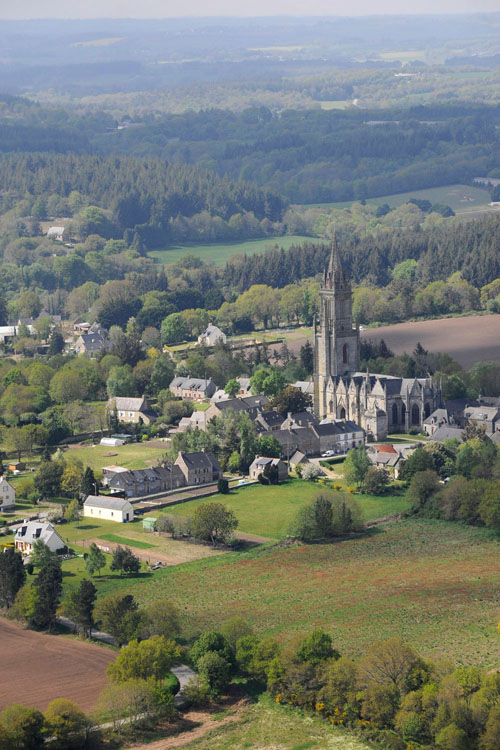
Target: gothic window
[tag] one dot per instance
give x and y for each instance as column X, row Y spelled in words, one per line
column 330, row 410
column 345, row 354
column 427, row 410
column 342, row 413
column 403, row 413
column 415, row 415
column 394, row 414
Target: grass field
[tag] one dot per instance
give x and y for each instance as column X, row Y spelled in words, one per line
column 220, row 252
column 127, row 542
column 461, row 198
column 132, row 456
column 264, row 726
column 268, row 511
column 435, row 584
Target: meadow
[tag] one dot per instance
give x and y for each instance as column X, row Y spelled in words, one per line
column 461, row 198
column 219, row 253
column 264, row 725
column 434, row 584
column 132, row 455
column 268, row 511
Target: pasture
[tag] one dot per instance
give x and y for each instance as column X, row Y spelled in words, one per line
column 434, row 584
column 219, row 253
column 38, row 668
column 462, row 199
column 268, row 511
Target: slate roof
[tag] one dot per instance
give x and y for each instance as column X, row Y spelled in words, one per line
column 194, row 384
column 201, row 460
column 123, row 403
column 102, row 501
column 445, row 432
column 93, row 342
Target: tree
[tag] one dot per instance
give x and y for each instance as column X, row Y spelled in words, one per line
column 387, row 663
column 215, row 671
column 307, row 357
column 267, row 445
column 211, row 641
column 423, row 486
column 56, row 344
column 118, row 615
column 214, row 522
column 67, row 386
column 24, row 727
column 356, row 465
column 232, row 387
column 174, row 329
column 149, row 659
column 48, row 479
column 489, row 740
column 40, row 554
column 18, row 441
column 66, row 725
column 88, row 485
column 375, row 481
column 234, row 462
column 96, row 560
column 125, row 561
column 121, row 382
column 82, row 606
column 12, row 576
column 48, row 585
column 73, row 511
column 452, row 737
column 223, row 486
column 160, row 618
column 316, row 647
column 290, row 400
column 234, row 629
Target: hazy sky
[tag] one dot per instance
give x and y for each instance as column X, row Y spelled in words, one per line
column 23, row 9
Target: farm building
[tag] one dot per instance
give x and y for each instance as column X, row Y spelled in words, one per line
column 16, row 466
column 298, row 459
column 108, row 508
column 7, row 495
column 33, row 531
column 261, row 463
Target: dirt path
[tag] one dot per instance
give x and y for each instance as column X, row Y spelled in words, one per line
column 193, row 725
column 152, row 555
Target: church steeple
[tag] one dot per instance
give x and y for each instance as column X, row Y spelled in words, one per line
column 336, row 338
column 334, row 275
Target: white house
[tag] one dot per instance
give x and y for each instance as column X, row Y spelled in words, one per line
column 34, row 531
column 7, row 495
column 211, row 336
column 56, row 233
column 108, row 508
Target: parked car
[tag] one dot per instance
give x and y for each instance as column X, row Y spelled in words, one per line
column 328, row 454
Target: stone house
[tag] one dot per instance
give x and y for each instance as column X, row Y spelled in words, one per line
column 7, row 496
column 132, row 410
column 196, row 389
column 199, row 467
column 260, row 463
column 212, row 335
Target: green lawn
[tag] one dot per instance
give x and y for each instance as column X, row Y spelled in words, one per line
column 268, row 511
column 132, row 455
column 220, row 252
column 461, row 198
column 127, row 542
column 432, row 583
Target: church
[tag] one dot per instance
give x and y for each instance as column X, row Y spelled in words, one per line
column 381, row 404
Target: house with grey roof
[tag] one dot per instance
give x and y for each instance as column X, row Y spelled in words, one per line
column 108, row 508
column 7, row 495
column 132, row 410
column 138, row 483
column 199, row 467
column 196, row 389
column 338, row 435
column 260, row 464
column 212, row 335
column 268, row 421
column 249, row 404
column 448, row 432
column 36, row 531
column 486, row 417
column 438, row 418
column 90, row 344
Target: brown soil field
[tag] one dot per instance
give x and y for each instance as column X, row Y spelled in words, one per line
column 38, row 668
column 468, row 340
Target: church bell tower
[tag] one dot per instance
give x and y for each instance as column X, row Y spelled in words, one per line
column 336, row 339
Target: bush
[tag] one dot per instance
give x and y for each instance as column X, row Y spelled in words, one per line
column 310, row 472
column 197, row 693
column 223, row 486
column 215, row 671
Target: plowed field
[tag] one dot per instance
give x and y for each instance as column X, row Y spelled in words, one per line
column 37, row 668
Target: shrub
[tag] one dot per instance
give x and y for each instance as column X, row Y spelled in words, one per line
column 215, row 671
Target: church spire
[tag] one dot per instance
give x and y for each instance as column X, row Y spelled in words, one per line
column 334, row 273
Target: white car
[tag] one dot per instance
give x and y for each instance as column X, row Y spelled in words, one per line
column 327, row 454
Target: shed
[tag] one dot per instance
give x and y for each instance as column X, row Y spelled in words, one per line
column 149, row 524
column 108, row 508
column 16, row 466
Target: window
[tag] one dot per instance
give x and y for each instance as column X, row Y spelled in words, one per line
column 345, row 354
column 394, row 414
column 415, row 415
